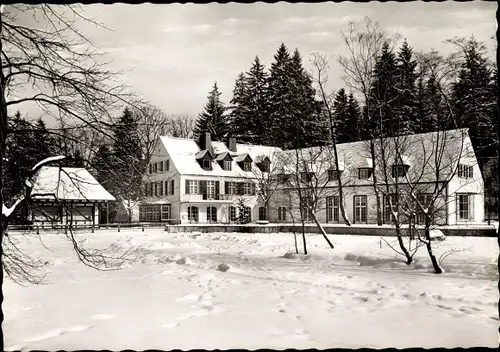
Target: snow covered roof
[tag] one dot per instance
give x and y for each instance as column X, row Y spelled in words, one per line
column 68, row 183
column 416, row 150
column 222, row 156
column 242, row 157
column 182, row 151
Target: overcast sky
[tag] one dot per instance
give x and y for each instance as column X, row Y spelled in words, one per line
column 177, row 51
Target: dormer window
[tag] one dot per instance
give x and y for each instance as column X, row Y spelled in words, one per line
column 334, row 175
column 306, row 176
column 226, row 165
column 399, row 170
column 244, row 161
column 283, row 178
column 364, row 173
column 207, row 164
column 263, row 163
column 465, row 171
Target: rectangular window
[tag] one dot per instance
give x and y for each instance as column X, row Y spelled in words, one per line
column 387, row 207
column 227, row 165
column 333, row 175
column 210, row 189
column 332, row 209
column 306, row 203
column 248, row 188
column 364, row 173
column 165, row 212
column 207, row 164
column 232, row 214
column 155, row 167
column 360, row 211
column 146, row 190
column 282, row 213
column 247, row 166
column 172, row 183
column 150, row 168
column 231, row 188
column 424, row 199
column 167, row 165
column 399, row 170
column 161, row 188
column 465, row 171
column 306, row 176
column 156, row 189
column 465, row 206
column 151, row 189
column 149, row 213
column 192, row 186
column 161, row 166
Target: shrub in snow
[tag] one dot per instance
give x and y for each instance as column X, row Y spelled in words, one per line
column 350, row 257
column 183, row 261
column 289, row 255
column 437, row 235
column 222, row 267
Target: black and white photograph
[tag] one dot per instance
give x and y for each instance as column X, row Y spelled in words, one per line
column 249, row 175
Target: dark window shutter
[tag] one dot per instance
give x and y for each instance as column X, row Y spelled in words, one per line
column 187, row 187
column 172, row 187
column 217, row 188
column 253, row 188
column 226, row 187
column 203, row 187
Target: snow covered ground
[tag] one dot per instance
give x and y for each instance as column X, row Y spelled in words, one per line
column 356, row 295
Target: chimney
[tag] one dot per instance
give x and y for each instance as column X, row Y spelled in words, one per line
column 231, row 144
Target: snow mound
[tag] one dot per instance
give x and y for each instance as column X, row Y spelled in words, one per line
column 222, row 267
column 363, row 260
column 437, row 235
column 195, row 234
column 160, row 246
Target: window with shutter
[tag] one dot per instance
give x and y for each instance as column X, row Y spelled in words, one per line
column 161, row 166
column 167, row 165
column 172, row 187
column 186, row 188
column 161, row 189
column 166, row 188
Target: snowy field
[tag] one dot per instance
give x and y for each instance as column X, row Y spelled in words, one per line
column 174, row 297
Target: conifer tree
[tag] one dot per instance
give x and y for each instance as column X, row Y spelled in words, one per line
column 237, row 124
column 405, row 113
column 213, row 119
column 128, row 164
column 383, row 93
column 474, row 98
column 280, row 98
column 256, row 101
column 340, row 106
column 353, row 122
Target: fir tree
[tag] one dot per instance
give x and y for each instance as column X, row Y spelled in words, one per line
column 383, row 94
column 280, row 97
column 213, row 119
column 405, row 114
column 237, row 124
column 256, row 102
column 474, row 99
column 340, row 107
column 128, row 164
column 353, row 122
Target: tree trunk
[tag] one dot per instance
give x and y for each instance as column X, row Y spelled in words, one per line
column 428, row 245
column 321, row 229
column 409, row 259
column 375, row 184
column 341, row 189
column 304, row 237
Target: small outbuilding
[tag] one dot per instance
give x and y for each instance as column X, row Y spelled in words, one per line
column 65, row 195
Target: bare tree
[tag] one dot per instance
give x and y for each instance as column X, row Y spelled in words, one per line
column 45, row 60
column 364, row 41
column 307, row 174
column 320, row 77
column 266, row 179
